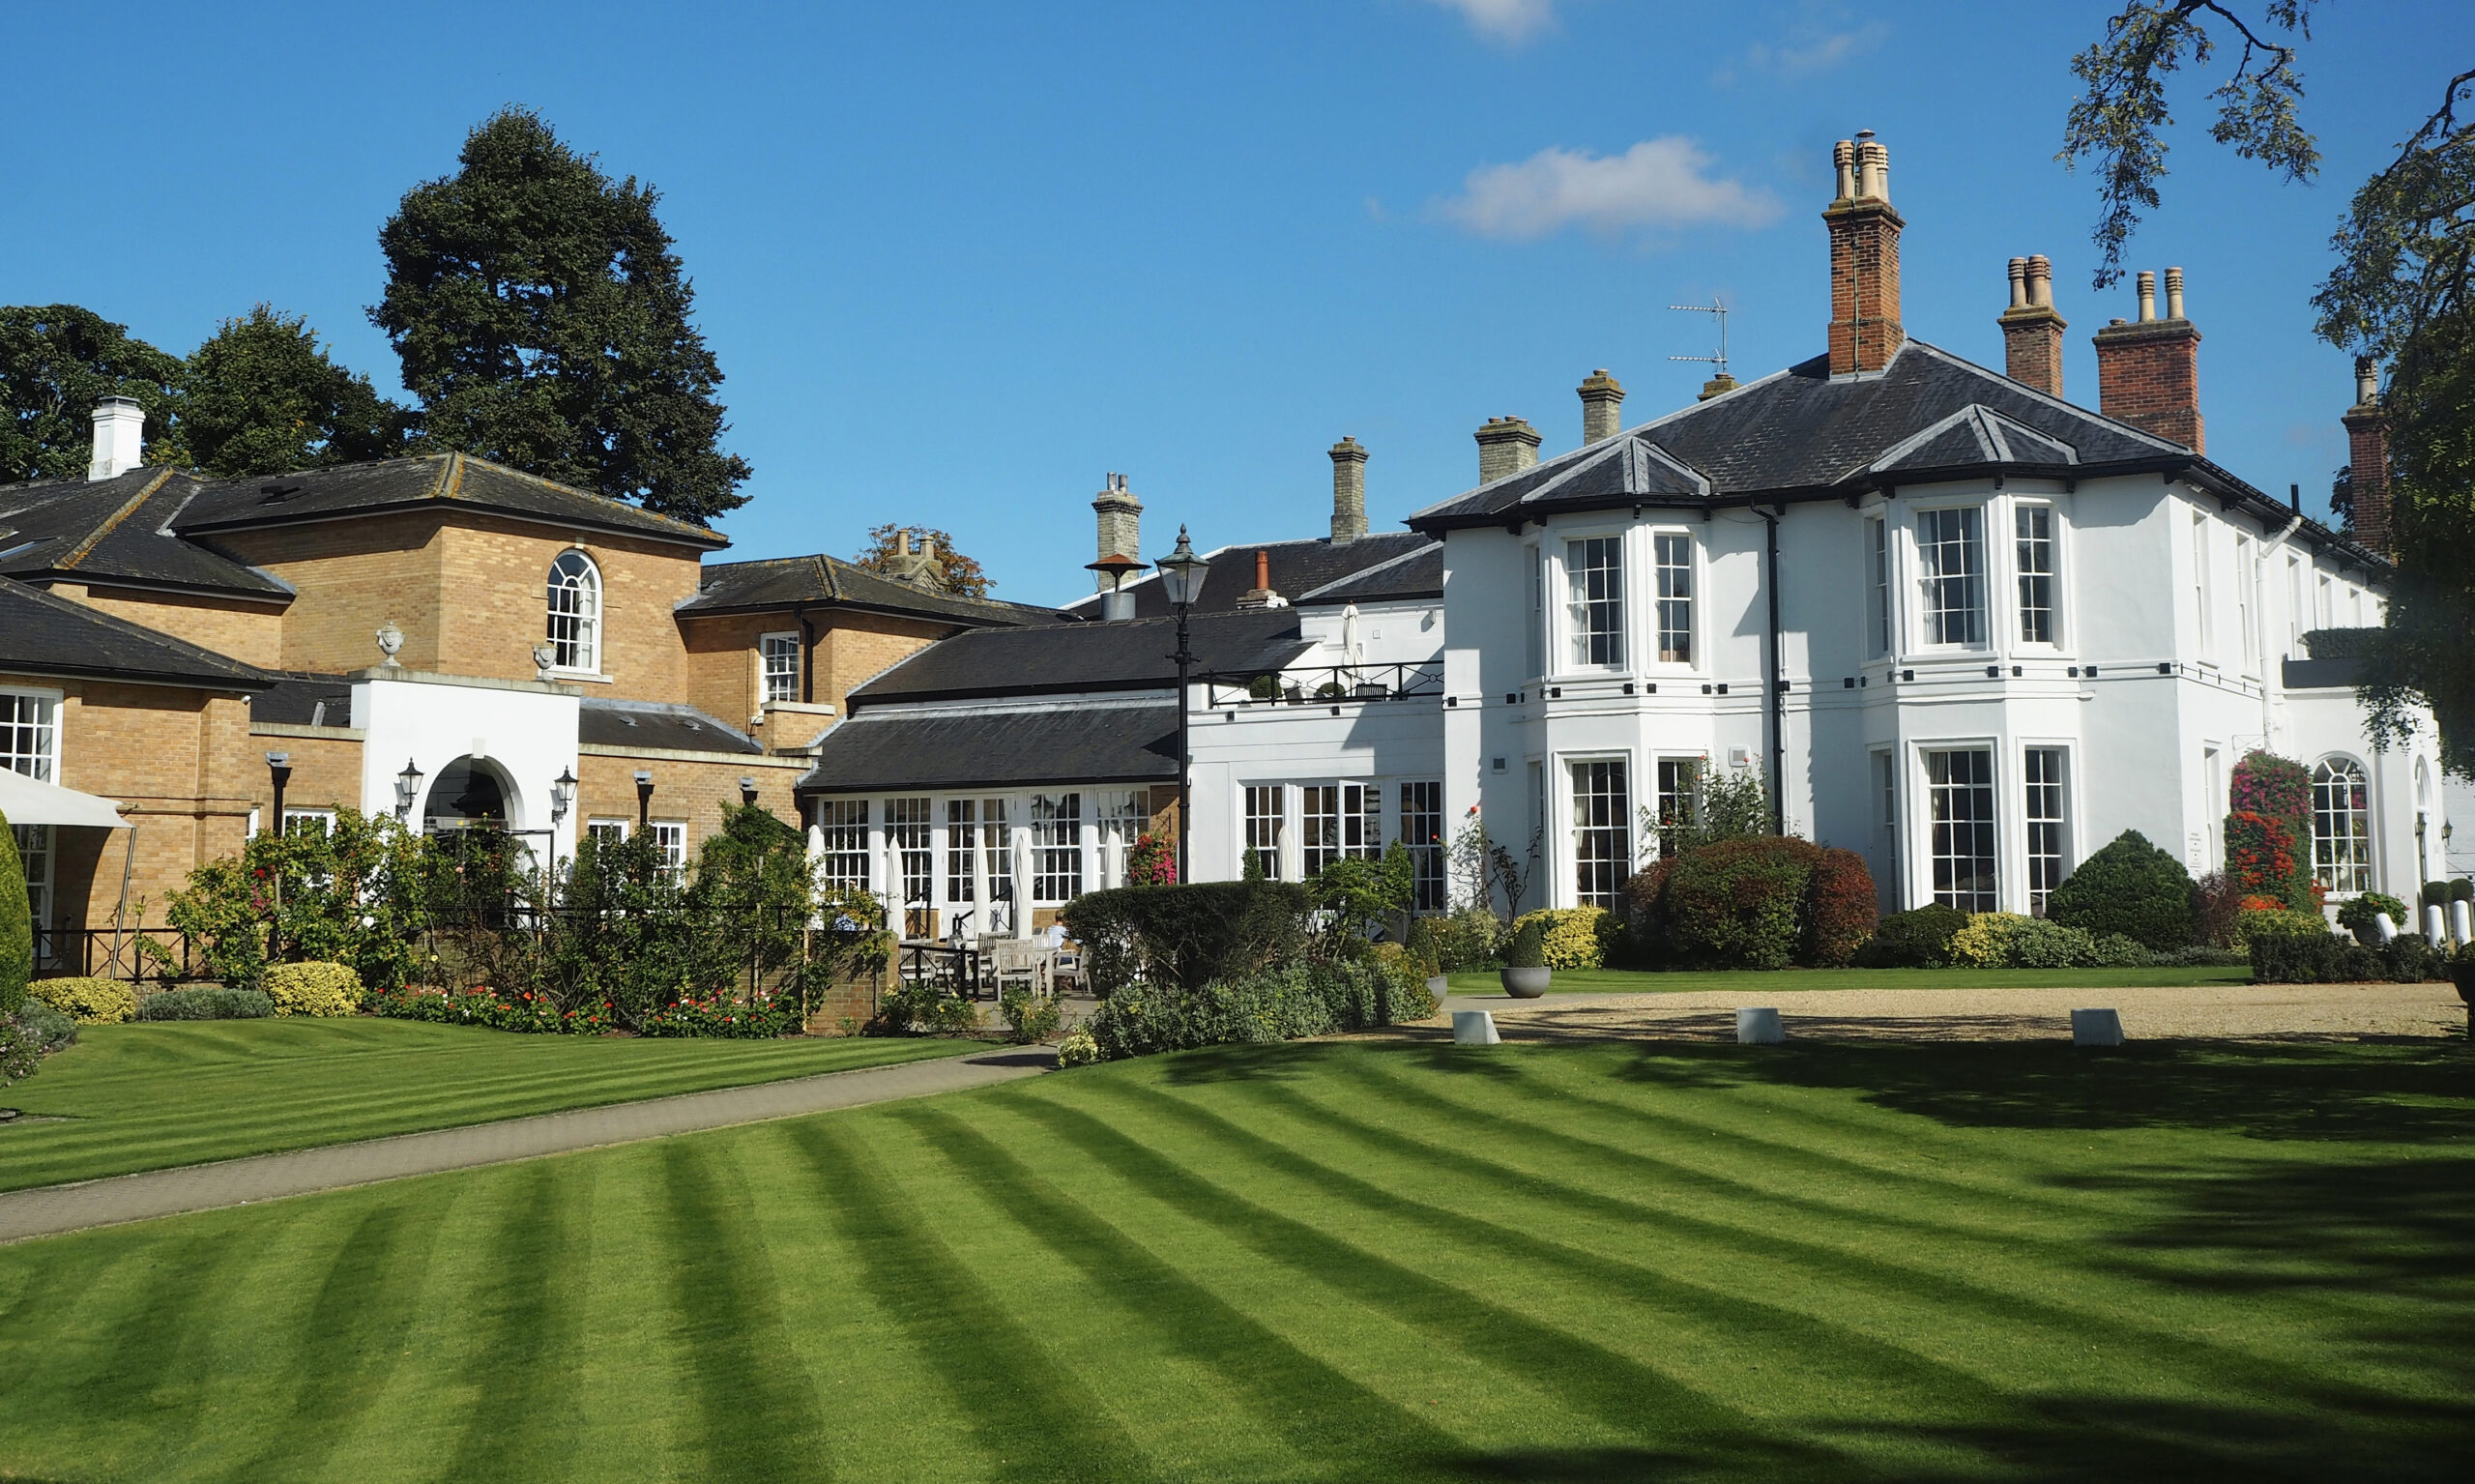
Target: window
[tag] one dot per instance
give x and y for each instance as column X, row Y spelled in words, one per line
column 2247, row 577
column 962, row 838
column 2035, row 524
column 1674, row 554
column 909, row 833
column 1265, row 818
column 2320, row 604
column 2340, row 827
column 34, row 853
column 2213, row 779
column 1950, row 548
column 2294, row 625
column 670, row 836
column 576, row 612
column 1677, row 799
column 1595, row 574
column 780, row 654
column 1057, row 847
column 1602, row 832
column 1960, row 787
column 2206, row 628
column 29, row 732
column 1337, row 819
column 1537, row 560
column 1877, row 593
column 1422, row 832
column 606, row 832
column 842, row 825
column 1886, row 822
column 318, row 821
column 2046, row 824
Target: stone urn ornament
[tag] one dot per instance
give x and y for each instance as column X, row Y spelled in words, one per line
column 542, row 656
column 389, row 639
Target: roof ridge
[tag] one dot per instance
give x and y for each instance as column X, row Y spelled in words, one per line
column 590, row 494
column 110, row 523
column 1988, row 373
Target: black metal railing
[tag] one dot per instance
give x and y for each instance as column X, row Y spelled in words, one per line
column 1323, row 685
column 114, row 953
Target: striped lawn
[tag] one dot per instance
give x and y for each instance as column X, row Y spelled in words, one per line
column 1617, row 981
column 163, row 1093
column 1345, row 1261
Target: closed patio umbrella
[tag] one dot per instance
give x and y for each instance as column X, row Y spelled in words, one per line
column 1022, row 882
column 980, row 882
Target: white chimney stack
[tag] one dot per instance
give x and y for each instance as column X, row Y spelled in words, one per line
column 120, row 438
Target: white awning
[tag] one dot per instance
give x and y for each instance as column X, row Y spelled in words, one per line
column 29, row 801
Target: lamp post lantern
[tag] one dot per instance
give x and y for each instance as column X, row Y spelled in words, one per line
column 644, row 800
column 563, row 794
column 408, row 790
column 1182, row 576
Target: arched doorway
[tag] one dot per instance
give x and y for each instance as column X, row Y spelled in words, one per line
column 469, row 793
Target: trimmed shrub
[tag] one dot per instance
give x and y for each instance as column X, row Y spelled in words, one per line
column 1919, row 938
column 1571, row 937
column 2116, row 951
column 1029, row 1018
column 16, row 925
column 2130, row 887
column 1468, row 939
column 313, row 989
column 2251, row 923
column 1299, row 1000
column 1529, row 947
column 1078, row 1050
column 924, row 1009
column 1841, row 908
column 50, row 1028
column 2435, row 893
column 2327, row 958
column 2217, row 899
column 2358, row 916
column 209, row 1003
column 1736, row 904
column 1984, row 942
column 1186, row 935
column 2043, row 944
column 94, row 1001
column 1420, row 947
column 2462, row 889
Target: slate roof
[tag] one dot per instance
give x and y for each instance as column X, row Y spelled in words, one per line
column 41, row 634
column 297, row 696
column 411, row 483
column 606, row 723
column 1079, row 745
column 1802, row 433
column 119, row 530
column 1131, row 655
column 1414, row 573
column 1297, row 568
column 742, row 587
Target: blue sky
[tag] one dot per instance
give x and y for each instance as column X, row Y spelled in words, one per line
column 959, row 261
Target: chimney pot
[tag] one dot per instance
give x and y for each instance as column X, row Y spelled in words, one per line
column 2173, row 293
column 2019, row 283
column 1602, row 406
column 1349, row 490
column 2147, row 297
column 120, row 438
column 1865, row 329
column 1843, row 160
column 1506, row 446
column 2040, row 281
column 2366, row 381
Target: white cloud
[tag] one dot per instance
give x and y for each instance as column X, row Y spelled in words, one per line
column 1511, row 21
column 1655, row 185
column 1816, row 41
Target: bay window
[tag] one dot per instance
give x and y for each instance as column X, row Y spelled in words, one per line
column 1673, row 551
column 1602, row 832
column 1950, row 549
column 1595, row 578
column 1959, row 786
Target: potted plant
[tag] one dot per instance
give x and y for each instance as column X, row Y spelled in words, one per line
column 1526, row 973
column 2362, row 915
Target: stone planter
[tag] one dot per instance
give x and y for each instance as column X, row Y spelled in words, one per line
column 1439, row 986
column 1525, row 983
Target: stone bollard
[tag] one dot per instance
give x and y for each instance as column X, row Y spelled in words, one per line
column 2388, row 929
column 1759, row 1027
column 2457, row 922
column 1475, row 1028
column 2096, row 1027
column 2436, row 928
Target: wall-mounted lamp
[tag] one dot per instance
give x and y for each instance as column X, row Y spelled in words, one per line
column 408, row 790
column 644, row 800
column 747, row 792
column 563, row 794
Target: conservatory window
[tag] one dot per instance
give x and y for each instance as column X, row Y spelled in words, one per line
column 2340, row 827
column 1057, row 847
column 907, row 830
column 842, row 824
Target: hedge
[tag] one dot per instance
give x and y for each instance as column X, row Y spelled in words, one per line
column 313, row 989
column 1571, row 937
column 1761, row 902
column 208, row 1004
column 1279, row 1005
column 2131, row 887
column 94, row 1001
column 2325, row 958
column 1919, row 938
column 16, row 924
column 1186, row 935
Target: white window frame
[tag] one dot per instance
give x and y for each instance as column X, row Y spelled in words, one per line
column 1930, row 854
column 911, row 831
column 1665, row 766
column 1581, row 637
column 614, row 829
column 326, row 818
column 1337, row 819
column 1929, row 577
column 2059, row 791
column 842, row 842
column 769, row 677
column 1540, row 643
column 670, row 837
column 1422, row 833
column 574, row 570
column 1882, row 787
column 1614, row 854
column 1881, row 643
column 2203, row 588
column 1263, row 826
column 1662, row 603
column 1056, row 823
column 2022, row 510
column 2351, row 871
column 42, row 726
column 2247, row 583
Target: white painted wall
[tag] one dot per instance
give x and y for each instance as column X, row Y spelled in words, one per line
column 528, row 728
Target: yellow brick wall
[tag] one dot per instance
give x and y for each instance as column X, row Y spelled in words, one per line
column 248, row 632
column 497, row 576
column 352, row 577
column 326, row 774
column 721, row 668
column 693, row 792
column 857, row 648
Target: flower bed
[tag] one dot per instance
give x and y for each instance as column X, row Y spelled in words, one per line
column 524, row 1011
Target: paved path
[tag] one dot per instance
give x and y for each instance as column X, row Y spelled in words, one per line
column 49, row 1210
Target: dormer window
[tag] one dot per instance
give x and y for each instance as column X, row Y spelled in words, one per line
column 575, row 614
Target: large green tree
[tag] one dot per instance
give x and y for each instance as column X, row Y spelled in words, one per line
column 543, row 323
column 261, row 396
column 2399, row 293
column 57, row 362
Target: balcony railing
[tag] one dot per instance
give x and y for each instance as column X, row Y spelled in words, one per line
column 1326, row 685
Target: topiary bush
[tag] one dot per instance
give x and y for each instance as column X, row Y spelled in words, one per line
column 207, row 1004
column 1078, row 1049
column 1736, row 904
column 16, row 925
column 1984, row 942
column 2131, row 887
column 1919, row 938
column 2462, row 889
column 1841, row 908
column 1529, row 947
column 1570, row 937
column 313, row 989
column 93, row 1002
column 1186, row 935
column 2254, row 921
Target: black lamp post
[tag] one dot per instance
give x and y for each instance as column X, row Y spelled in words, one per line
column 644, row 800
column 1182, row 576
column 280, row 770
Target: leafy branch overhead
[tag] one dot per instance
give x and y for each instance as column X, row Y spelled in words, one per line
column 2117, row 121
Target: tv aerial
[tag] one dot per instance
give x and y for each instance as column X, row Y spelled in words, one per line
column 1717, row 307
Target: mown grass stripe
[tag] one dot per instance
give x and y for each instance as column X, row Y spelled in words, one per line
column 754, row 1400
column 1631, row 1397
column 524, row 1331
column 1029, row 1419
column 1331, row 1419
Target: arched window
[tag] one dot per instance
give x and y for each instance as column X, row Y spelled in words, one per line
column 2340, row 827
column 576, row 612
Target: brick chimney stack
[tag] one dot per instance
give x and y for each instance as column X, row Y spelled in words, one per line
column 1120, row 523
column 1506, row 446
column 2148, row 370
column 1864, row 259
column 1349, row 490
column 1602, row 406
column 2031, row 330
column 2368, row 458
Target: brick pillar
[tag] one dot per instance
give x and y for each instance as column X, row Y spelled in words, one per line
column 1864, row 260
column 1602, row 406
column 1349, row 490
column 1506, row 446
column 2148, row 370
column 2368, row 458
column 2031, row 330
column 1120, row 524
